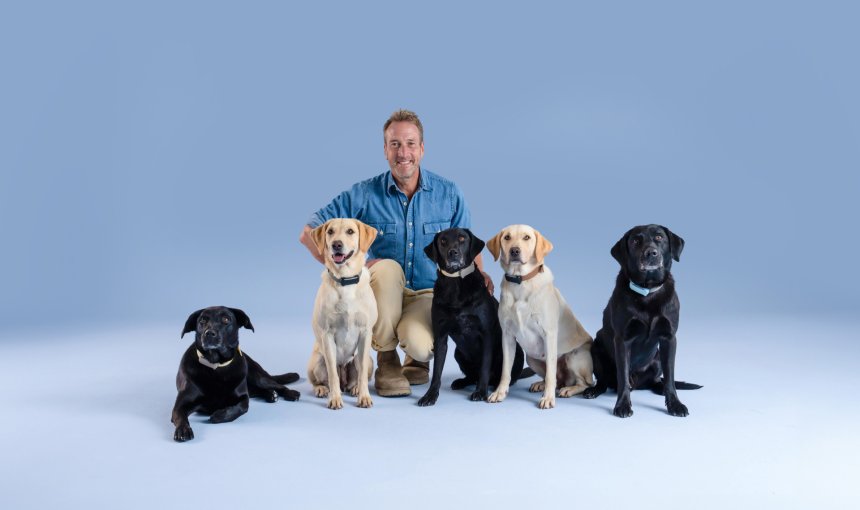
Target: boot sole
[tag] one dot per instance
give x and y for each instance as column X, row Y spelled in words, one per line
column 393, row 393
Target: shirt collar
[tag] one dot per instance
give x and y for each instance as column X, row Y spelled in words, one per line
column 423, row 182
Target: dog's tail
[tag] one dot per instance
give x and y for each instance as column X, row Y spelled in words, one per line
column 287, row 378
column 679, row 385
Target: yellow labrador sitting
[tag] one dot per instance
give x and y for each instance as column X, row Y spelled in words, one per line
column 533, row 313
column 344, row 313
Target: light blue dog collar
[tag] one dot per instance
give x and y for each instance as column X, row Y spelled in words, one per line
column 643, row 290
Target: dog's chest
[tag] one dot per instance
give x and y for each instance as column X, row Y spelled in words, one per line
column 524, row 324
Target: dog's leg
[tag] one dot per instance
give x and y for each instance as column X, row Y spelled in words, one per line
column 547, row 401
column 634, row 329
column 668, row 344
column 186, row 403
column 600, row 367
column 317, row 374
column 440, row 351
column 540, row 369
column 509, row 343
column 480, row 393
column 232, row 412
column 579, row 365
column 329, row 352
column 261, row 383
column 362, row 357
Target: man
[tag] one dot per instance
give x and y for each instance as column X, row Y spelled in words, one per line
column 407, row 205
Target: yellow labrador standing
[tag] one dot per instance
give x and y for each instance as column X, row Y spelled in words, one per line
column 534, row 314
column 344, row 313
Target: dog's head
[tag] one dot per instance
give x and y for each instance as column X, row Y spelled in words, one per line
column 454, row 249
column 217, row 330
column 519, row 249
column 646, row 253
column 343, row 244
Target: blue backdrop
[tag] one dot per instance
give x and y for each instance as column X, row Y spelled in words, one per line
column 161, row 157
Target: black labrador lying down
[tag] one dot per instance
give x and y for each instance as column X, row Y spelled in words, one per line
column 464, row 310
column 215, row 377
column 636, row 345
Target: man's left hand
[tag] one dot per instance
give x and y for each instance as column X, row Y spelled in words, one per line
column 489, row 282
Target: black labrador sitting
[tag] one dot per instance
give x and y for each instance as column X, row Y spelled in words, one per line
column 636, row 345
column 215, row 377
column 464, row 310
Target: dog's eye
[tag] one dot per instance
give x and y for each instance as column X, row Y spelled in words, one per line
column 461, row 238
column 507, row 237
column 203, row 321
column 658, row 237
column 636, row 241
column 225, row 320
column 526, row 237
column 330, row 231
column 443, row 242
column 350, row 231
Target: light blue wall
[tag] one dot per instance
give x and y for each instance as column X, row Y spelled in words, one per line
column 161, row 157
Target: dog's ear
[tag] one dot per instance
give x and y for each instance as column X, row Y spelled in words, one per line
column 495, row 245
column 476, row 245
column 676, row 244
column 366, row 236
column 318, row 237
column 191, row 323
column 619, row 251
column 431, row 250
column 542, row 246
column 242, row 319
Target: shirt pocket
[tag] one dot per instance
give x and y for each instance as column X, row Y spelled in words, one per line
column 385, row 244
column 431, row 228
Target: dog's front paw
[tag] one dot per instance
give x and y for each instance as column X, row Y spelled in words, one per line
column 497, row 396
column 569, row 391
column 591, row 392
column 478, row 396
column 321, row 391
column 291, row 395
column 365, row 401
column 537, row 387
column 547, row 402
column 623, row 409
column 183, row 433
column 335, row 402
column 271, row 396
column 354, row 391
column 676, row 408
column 428, row 399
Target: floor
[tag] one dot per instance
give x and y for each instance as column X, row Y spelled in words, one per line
column 775, row 426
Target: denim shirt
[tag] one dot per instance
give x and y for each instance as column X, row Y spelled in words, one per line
column 404, row 227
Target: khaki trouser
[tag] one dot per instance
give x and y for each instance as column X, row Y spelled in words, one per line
column 404, row 314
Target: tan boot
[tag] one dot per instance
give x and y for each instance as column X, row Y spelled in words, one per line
column 416, row 372
column 389, row 380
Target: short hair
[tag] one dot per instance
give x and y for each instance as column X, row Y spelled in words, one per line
column 404, row 116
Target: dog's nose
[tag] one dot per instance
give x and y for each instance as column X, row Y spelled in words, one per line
column 337, row 246
column 453, row 253
column 515, row 252
column 209, row 333
column 651, row 252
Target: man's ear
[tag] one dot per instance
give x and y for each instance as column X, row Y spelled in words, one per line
column 431, row 250
column 366, row 236
column 191, row 323
column 476, row 246
column 676, row 244
column 318, row 237
column 542, row 247
column 242, row 318
column 619, row 251
column 495, row 245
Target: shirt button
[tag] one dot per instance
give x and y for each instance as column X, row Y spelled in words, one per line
column 409, row 263
column 404, row 203
column 410, row 223
column 410, row 245
column 381, row 232
column 408, row 282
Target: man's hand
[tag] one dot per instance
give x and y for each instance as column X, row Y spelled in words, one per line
column 489, row 282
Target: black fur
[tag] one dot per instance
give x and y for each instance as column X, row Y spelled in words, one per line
column 464, row 310
column 636, row 345
column 221, row 393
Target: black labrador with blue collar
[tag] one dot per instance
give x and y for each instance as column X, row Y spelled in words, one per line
column 215, row 377
column 636, row 345
column 464, row 310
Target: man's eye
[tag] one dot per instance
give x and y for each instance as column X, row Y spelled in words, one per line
column 330, row 231
column 526, row 237
column 350, row 231
column 507, row 237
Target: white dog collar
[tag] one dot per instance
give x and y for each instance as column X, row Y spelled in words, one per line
column 459, row 274
column 206, row 363
column 643, row 290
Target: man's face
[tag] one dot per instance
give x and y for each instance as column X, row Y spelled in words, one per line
column 403, row 150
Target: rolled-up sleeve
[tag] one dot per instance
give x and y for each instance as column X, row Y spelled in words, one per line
column 345, row 205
